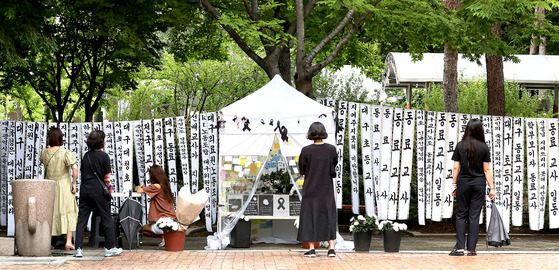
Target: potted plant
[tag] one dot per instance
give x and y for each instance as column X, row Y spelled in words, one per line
column 362, row 228
column 391, row 234
column 174, row 233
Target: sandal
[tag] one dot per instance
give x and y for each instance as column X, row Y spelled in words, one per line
column 162, row 244
column 70, row 247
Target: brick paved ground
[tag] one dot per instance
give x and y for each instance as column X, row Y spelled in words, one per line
column 285, row 259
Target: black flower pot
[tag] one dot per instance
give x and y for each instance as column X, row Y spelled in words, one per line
column 362, row 241
column 391, row 240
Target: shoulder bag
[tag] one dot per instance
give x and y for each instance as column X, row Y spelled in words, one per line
column 106, row 191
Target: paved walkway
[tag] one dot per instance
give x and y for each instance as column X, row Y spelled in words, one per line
column 417, row 252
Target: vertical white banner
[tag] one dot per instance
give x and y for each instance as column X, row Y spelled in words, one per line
column 97, row 126
column 395, row 163
column 195, row 152
column 110, row 150
column 385, row 159
column 376, row 114
column 532, row 166
column 127, row 159
column 140, row 158
column 462, row 123
column 183, row 151
column 431, row 123
column 352, row 126
column 148, row 155
column 331, row 103
column 75, row 147
column 12, row 159
column 87, row 128
column 158, row 143
column 20, row 149
column 117, row 129
column 65, row 134
column 5, row 134
column 420, row 158
column 170, row 150
column 206, row 170
column 439, row 166
column 518, row 172
column 487, row 130
column 340, row 141
column 212, row 140
column 506, row 200
column 497, row 157
column 406, row 165
column 451, row 141
column 29, row 158
column 553, row 156
column 542, row 156
column 40, row 143
column 366, row 159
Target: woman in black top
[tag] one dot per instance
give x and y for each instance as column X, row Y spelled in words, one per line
column 318, row 219
column 96, row 168
column 470, row 174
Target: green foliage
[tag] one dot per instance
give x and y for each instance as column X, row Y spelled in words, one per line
column 361, row 223
column 338, row 86
column 472, row 99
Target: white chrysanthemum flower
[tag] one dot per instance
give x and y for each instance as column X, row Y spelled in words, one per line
column 360, row 217
column 351, row 219
column 351, row 228
column 175, row 227
column 356, row 223
column 396, row 228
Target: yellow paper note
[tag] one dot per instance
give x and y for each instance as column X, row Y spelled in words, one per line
column 243, row 161
column 274, row 152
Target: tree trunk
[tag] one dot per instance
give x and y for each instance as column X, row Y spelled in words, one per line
column 495, row 80
column 450, row 73
column 533, row 45
column 285, row 65
column 450, row 80
column 304, row 85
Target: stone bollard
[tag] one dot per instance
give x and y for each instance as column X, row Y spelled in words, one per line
column 33, row 202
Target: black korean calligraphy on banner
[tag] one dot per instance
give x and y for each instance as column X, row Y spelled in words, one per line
column 376, row 114
column 366, row 159
column 340, row 141
column 532, row 167
column 553, row 157
column 158, row 143
column 147, row 128
column 29, row 158
column 431, row 123
column 75, row 148
column 182, row 142
column 4, row 137
column 452, row 126
column 206, row 169
column 117, row 129
column 127, row 143
column 420, row 167
column 542, row 179
column 518, row 171
column 394, row 183
column 497, row 158
column 140, row 162
column 353, row 167
column 212, row 141
column 506, row 199
column 195, row 151
column 487, row 130
column 11, row 172
column 108, row 128
column 385, row 159
column 170, row 150
column 40, row 143
column 439, row 165
column 404, row 192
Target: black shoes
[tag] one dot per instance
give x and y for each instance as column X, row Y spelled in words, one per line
column 455, row 252
column 311, row 253
column 331, row 253
column 472, row 253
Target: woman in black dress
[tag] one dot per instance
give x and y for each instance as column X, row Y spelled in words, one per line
column 470, row 174
column 318, row 219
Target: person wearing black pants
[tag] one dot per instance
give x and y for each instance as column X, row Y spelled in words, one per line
column 470, row 174
column 95, row 165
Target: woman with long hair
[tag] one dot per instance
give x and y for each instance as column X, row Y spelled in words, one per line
column 161, row 204
column 318, row 219
column 57, row 161
column 470, row 175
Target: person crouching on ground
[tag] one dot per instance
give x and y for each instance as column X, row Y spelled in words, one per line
column 162, row 201
column 470, row 173
column 318, row 219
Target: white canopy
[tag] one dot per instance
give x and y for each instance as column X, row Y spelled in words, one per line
column 533, row 71
column 275, row 109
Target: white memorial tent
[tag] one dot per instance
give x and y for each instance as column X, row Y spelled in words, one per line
column 248, row 128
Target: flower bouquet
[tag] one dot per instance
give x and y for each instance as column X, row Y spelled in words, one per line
column 167, row 224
